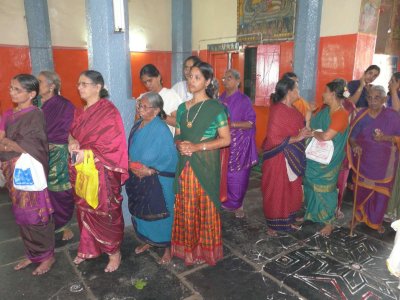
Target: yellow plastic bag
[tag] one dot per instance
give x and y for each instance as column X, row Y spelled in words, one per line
column 87, row 180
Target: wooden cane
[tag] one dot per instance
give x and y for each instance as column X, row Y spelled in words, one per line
column 355, row 194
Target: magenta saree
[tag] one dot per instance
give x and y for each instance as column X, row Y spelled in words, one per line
column 100, row 129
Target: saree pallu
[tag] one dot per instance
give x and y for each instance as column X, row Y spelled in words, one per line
column 153, row 146
column 393, row 209
column 196, row 233
column 320, row 180
column 59, row 186
column 377, row 164
column 100, row 129
column 243, row 152
column 282, row 198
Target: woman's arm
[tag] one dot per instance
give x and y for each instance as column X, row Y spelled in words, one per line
column 8, row 145
column 303, row 133
column 171, row 119
column 324, row 136
column 393, row 88
column 242, row 125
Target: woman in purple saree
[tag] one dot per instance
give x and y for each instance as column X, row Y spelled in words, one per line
column 58, row 113
column 243, row 151
column 373, row 137
column 24, row 130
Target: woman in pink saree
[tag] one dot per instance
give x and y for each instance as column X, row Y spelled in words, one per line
column 98, row 127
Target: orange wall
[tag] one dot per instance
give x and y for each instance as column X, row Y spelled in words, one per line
column 13, row 60
column 69, row 63
column 161, row 59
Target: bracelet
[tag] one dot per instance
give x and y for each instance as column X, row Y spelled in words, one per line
column 204, row 147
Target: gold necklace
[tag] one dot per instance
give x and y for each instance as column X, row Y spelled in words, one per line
column 189, row 124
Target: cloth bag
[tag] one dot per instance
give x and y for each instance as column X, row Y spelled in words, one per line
column 393, row 262
column 87, row 180
column 29, row 174
column 320, row 151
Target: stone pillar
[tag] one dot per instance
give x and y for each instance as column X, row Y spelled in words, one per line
column 181, row 36
column 39, row 35
column 109, row 54
column 308, row 20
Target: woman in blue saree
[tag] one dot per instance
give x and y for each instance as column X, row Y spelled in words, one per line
column 152, row 163
column 320, row 180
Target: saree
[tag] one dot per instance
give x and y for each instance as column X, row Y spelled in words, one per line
column 153, row 146
column 377, row 164
column 196, row 231
column 242, row 151
column 282, row 198
column 320, row 180
column 32, row 210
column 58, row 113
column 99, row 128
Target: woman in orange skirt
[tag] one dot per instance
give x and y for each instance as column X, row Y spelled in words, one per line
column 201, row 130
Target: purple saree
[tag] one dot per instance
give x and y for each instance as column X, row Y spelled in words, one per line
column 32, row 210
column 377, row 164
column 243, row 152
column 58, row 113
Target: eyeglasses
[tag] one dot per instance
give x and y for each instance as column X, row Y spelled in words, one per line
column 17, row 90
column 144, row 107
column 84, row 84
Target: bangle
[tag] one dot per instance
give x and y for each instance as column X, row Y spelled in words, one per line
column 204, row 147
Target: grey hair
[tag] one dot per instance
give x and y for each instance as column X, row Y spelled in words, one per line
column 235, row 73
column 155, row 101
column 52, row 78
column 379, row 89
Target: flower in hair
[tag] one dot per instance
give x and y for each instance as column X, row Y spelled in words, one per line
column 346, row 92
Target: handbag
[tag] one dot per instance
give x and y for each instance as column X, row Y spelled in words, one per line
column 87, row 180
column 320, row 151
column 29, row 174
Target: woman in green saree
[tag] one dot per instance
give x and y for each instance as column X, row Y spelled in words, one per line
column 320, row 180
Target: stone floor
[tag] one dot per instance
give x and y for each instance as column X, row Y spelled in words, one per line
column 300, row 265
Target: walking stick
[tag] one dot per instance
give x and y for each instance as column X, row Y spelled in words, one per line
column 355, row 194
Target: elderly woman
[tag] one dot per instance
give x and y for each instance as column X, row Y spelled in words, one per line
column 359, row 88
column 25, row 132
column 373, row 138
column 153, row 158
column 242, row 151
column 284, row 146
column 181, row 87
column 201, row 130
column 320, row 180
column 98, row 128
column 151, row 79
column 58, row 113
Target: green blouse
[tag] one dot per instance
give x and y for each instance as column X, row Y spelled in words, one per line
column 220, row 121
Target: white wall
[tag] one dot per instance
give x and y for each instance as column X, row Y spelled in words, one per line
column 213, row 19
column 340, row 17
column 13, row 29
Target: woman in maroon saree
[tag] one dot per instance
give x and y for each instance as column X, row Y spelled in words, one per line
column 24, row 130
column 373, row 137
column 284, row 145
column 98, row 127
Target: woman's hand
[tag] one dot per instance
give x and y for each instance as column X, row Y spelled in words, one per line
column 73, row 145
column 187, row 148
column 79, row 156
column 9, row 145
column 305, row 133
column 143, row 172
column 394, row 86
column 357, row 150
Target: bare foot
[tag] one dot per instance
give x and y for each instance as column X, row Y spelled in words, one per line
column 166, row 259
column 113, row 263
column 272, row 232
column 327, row 230
column 44, row 266
column 78, row 260
column 199, row 261
column 239, row 213
column 339, row 214
column 67, row 234
column 141, row 249
column 23, row 264
column 299, row 219
column 381, row 229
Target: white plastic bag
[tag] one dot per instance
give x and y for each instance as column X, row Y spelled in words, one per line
column 393, row 262
column 29, row 174
column 320, row 151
